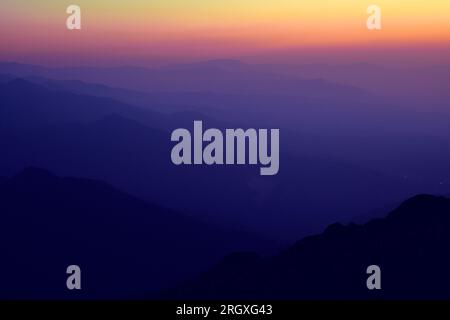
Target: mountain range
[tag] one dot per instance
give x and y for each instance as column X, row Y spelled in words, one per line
column 411, row 246
column 129, row 248
column 348, row 153
column 124, row 246
column 86, row 136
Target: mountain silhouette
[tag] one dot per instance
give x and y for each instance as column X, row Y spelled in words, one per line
column 123, row 245
column 411, row 246
column 6, row 78
column 136, row 158
column 207, row 76
column 73, row 133
column 27, row 105
column 35, row 102
column 416, row 85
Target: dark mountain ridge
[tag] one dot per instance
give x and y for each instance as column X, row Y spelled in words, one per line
column 209, row 76
column 74, row 134
column 124, row 246
column 411, row 246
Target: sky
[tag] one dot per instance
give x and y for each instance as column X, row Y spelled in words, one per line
column 140, row 31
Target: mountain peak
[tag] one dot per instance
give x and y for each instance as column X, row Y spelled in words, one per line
column 208, row 64
column 332, row 265
column 33, row 176
column 21, row 85
column 421, row 206
column 225, row 62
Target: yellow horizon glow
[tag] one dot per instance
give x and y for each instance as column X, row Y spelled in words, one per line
column 237, row 25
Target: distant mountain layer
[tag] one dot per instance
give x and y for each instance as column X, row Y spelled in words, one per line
column 411, row 246
column 27, row 105
column 124, row 246
column 80, row 135
column 210, row 76
column 419, row 85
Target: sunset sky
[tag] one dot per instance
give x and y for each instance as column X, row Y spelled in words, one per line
column 137, row 30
